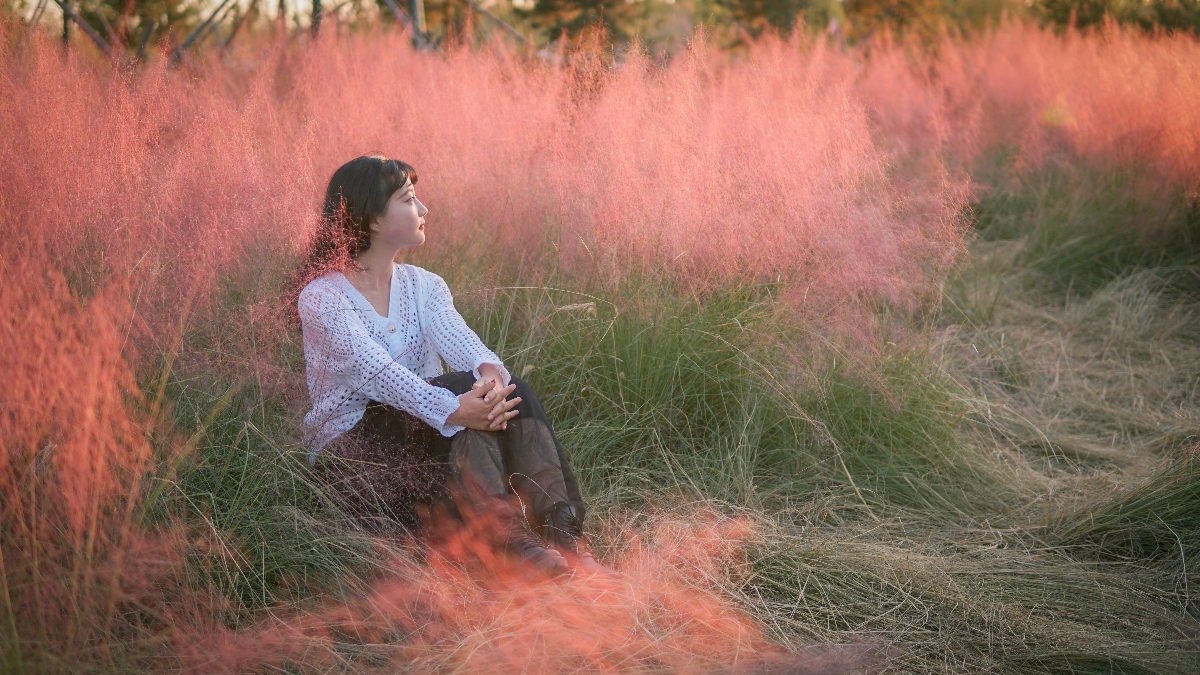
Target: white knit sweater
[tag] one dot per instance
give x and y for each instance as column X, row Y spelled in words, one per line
column 354, row 356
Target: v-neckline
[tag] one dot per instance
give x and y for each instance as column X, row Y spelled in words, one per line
column 391, row 294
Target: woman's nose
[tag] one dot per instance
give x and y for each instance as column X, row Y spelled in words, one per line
column 421, row 208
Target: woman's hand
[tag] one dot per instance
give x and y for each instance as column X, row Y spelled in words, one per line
column 485, row 407
column 489, row 374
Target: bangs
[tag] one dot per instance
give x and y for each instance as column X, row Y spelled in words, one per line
column 395, row 174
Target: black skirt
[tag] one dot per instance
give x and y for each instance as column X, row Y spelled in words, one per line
column 391, row 463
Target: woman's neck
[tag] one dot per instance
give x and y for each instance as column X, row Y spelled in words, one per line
column 374, row 271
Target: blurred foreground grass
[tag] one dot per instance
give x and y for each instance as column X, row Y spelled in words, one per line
column 1010, row 485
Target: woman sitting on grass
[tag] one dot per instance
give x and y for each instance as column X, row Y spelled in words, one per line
column 391, row 432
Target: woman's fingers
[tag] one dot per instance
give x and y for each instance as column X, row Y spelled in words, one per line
column 486, row 388
column 479, row 401
column 496, row 391
column 500, row 393
column 503, row 407
column 501, row 422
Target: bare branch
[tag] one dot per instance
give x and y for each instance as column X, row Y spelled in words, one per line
column 38, row 11
column 216, row 27
column 145, row 38
column 108, row 29
column 417, row 37
column 238, row 25
column 86, row 28
column 500, row 22
column 196, row 33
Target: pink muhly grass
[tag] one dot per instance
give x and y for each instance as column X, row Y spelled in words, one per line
column 1112, row 99
column 705, row 172
column 1118, row 96
column 131, row 204
column 759, row 170
column 73, row 455
column 465, row 609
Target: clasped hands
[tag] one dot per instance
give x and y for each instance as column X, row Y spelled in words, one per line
column 487, row 406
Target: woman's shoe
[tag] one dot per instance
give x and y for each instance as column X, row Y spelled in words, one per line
column 518, row 541
column 562, row 528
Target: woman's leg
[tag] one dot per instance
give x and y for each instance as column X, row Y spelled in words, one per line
column 535, row 468
column 481, row 465
column 538, row 470
column 526, row 459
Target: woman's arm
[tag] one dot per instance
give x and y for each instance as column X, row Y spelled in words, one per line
column 454, row 339
column 338, row 345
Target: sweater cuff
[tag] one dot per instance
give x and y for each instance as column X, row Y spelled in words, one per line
column 438, row 419
column 448, row 430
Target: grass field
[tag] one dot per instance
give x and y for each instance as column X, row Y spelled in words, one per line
column 863, row 367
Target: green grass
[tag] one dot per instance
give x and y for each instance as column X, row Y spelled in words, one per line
column 653, row 389
column 1157, row 520
column 1080, row 226
column 262, row 530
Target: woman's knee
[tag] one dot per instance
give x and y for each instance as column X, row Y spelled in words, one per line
column 528, row 398
column 522, row 389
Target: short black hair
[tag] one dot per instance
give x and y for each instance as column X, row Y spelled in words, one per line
column 357, row 195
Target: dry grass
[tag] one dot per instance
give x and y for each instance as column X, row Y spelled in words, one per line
column 1108, row 378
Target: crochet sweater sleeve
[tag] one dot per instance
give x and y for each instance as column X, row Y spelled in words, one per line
column 450, row 334
column 349, row 363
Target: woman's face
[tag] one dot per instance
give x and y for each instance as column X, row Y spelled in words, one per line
column 402, row 223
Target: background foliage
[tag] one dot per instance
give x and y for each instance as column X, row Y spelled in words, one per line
column 659, row 26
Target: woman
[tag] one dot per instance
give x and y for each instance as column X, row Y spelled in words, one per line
column 391, row 430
